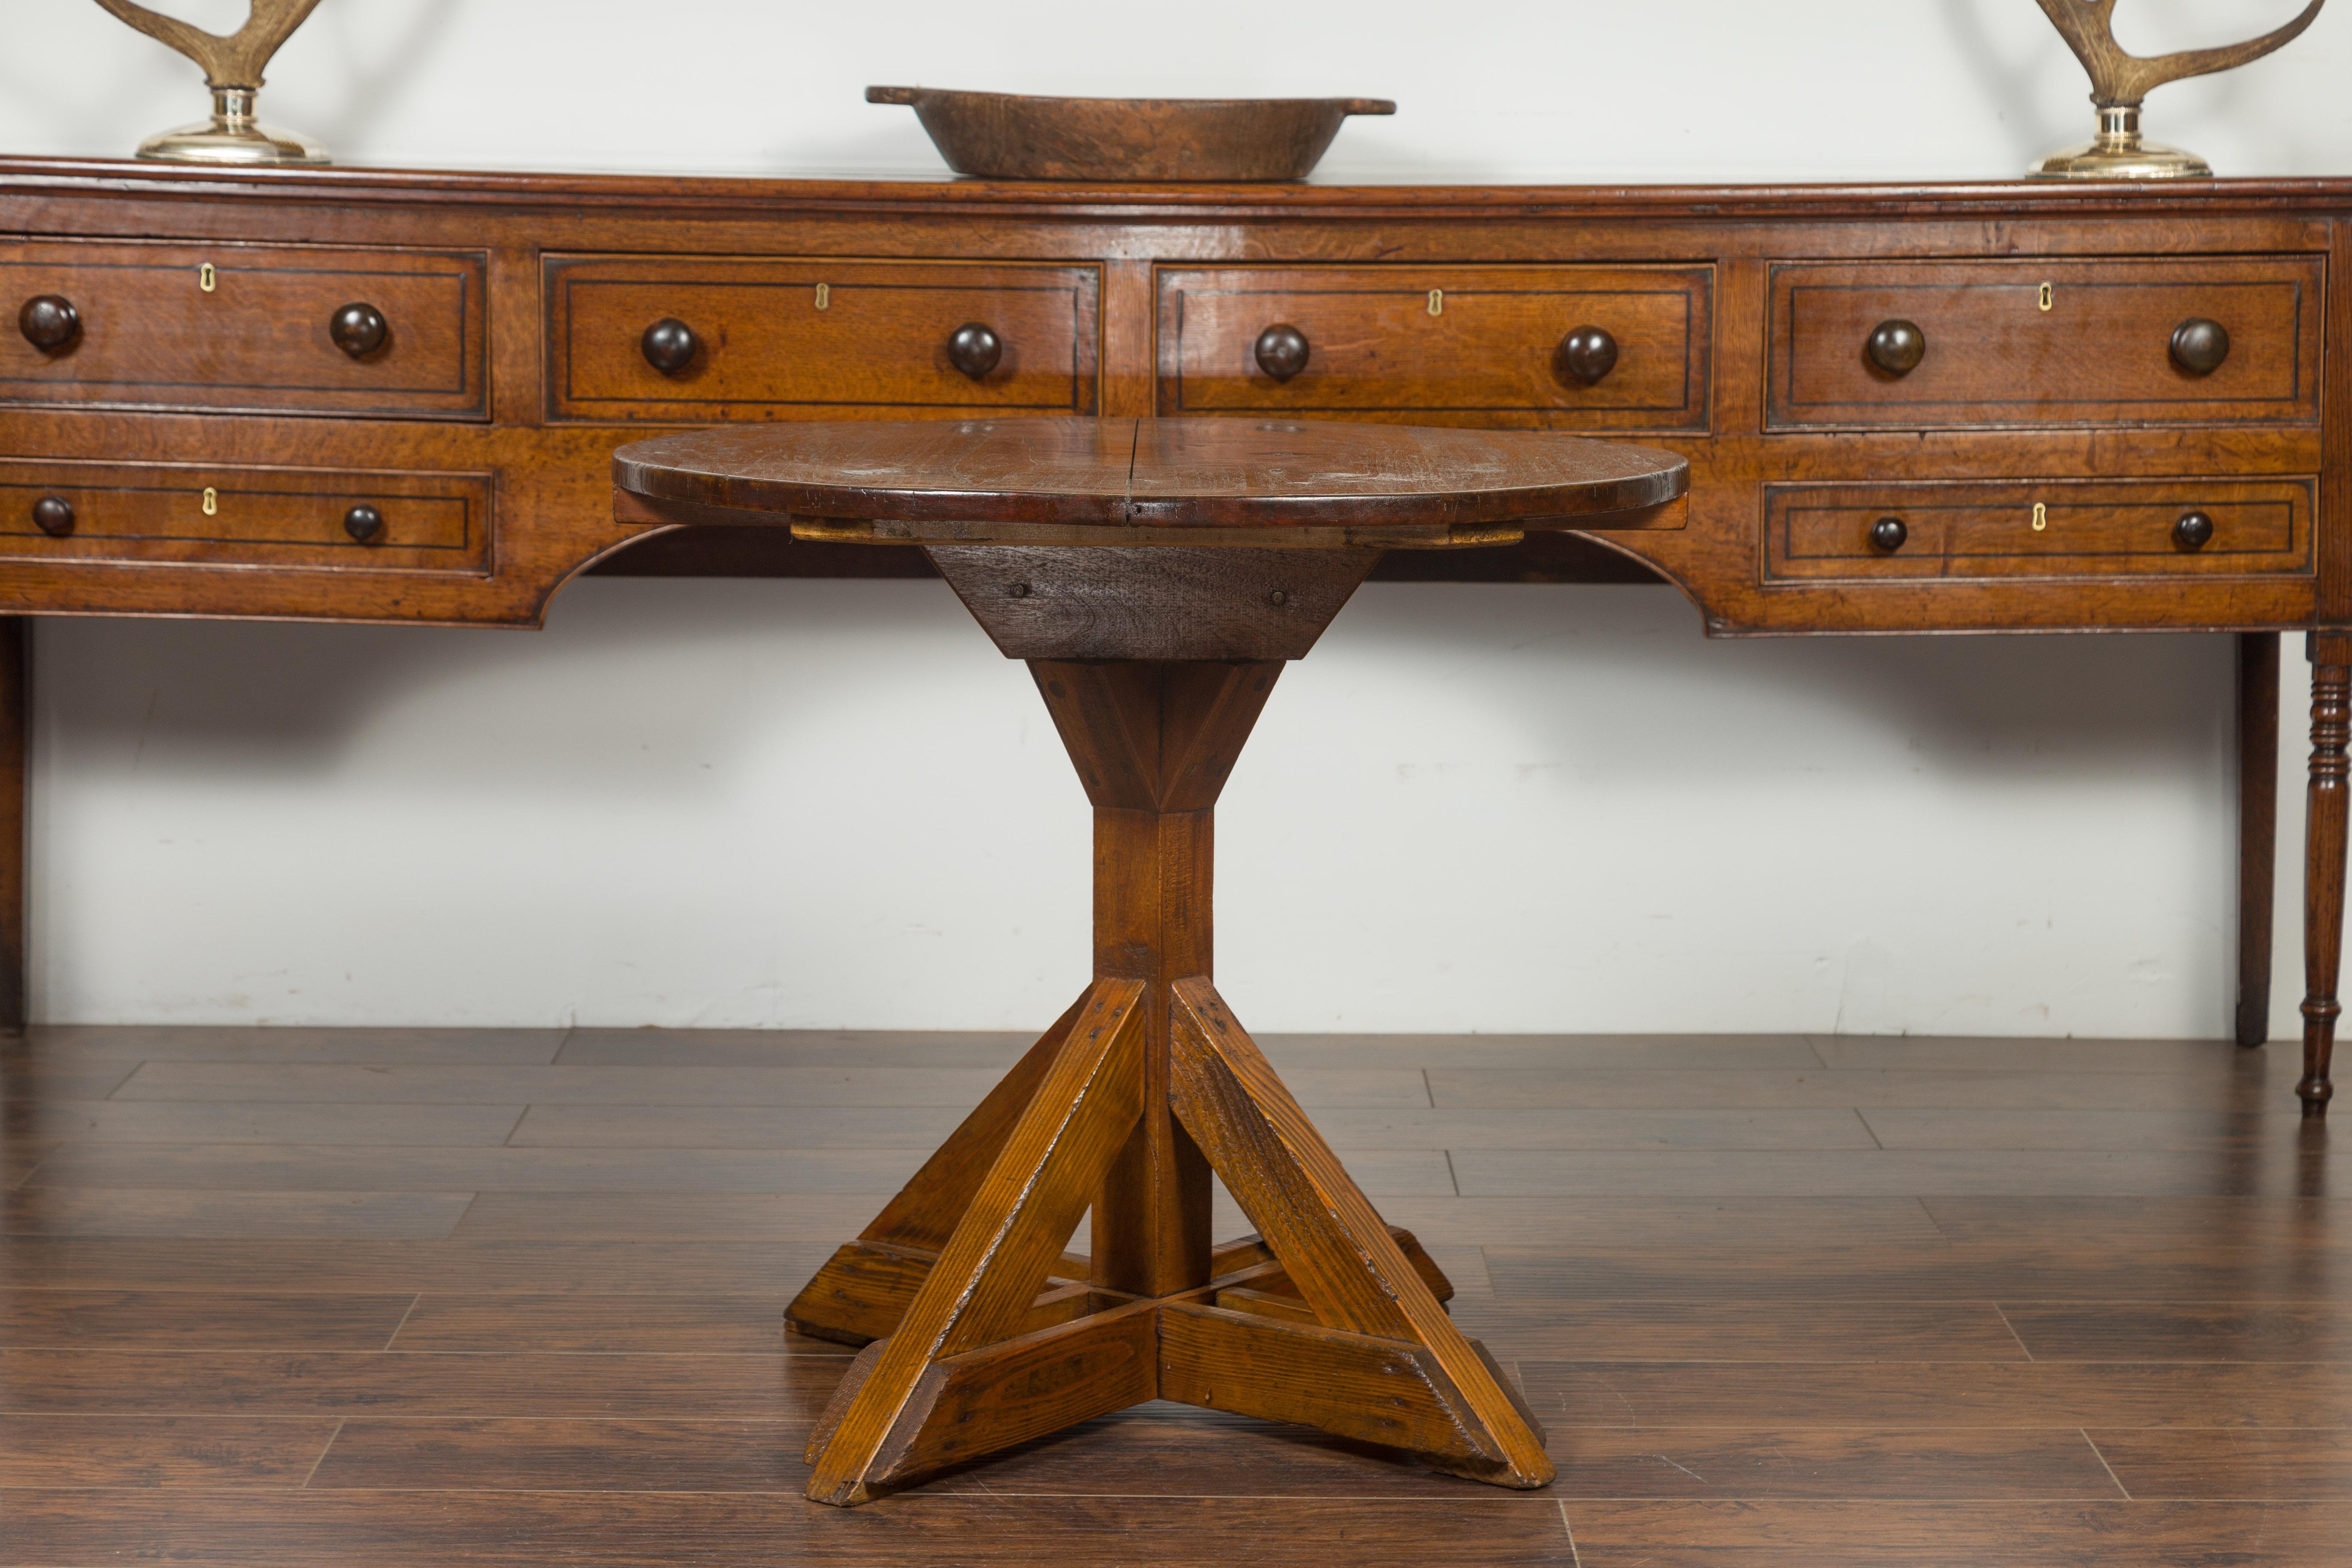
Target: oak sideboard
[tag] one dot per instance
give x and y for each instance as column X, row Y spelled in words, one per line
column 392, row 397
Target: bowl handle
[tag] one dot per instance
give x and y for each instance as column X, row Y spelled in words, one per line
column 910, row 94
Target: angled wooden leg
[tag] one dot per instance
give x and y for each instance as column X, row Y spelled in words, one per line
column 989, row 1275
column 864, row 1288
column 1345, row 1265
column 2258, row 719
column 2322, row 863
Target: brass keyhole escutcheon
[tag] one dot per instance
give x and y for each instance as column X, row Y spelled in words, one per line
column 1437, row 302
column 2046, row 298
column 823, row 297
column 212, row 501
column 206, row 278
column 2040, row 517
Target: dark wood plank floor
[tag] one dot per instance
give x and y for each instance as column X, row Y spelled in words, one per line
column 405, row 1297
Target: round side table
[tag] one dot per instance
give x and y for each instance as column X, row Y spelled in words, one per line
column 1155, row 574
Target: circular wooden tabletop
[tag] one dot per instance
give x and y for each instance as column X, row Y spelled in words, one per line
column 1131, row 474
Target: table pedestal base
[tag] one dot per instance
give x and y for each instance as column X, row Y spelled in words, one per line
column 984, row 1334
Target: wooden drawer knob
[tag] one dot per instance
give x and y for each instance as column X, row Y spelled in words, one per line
column 363, row 523
column 49, row 322
column 2193, row 532
column 1282, row 351
column 1586, row 354
column 2199, row 345
column 359, row 329
column 974, row 350
column 1887, row 534
column 1896, row 347
column 52, row 515
column 670, row 345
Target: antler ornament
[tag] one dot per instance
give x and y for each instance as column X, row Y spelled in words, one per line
column 2120, row 81
column 233, row 66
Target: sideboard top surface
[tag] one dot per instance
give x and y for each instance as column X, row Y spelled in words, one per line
column 129, row 177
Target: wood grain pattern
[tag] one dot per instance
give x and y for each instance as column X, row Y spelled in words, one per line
column 1189, row 474
column 1486, row 355
column 548, row 478
column 153, row 337
column 562, row 1455
column 2117, row 529
column 875, row 345
column 2258, row 1466
column 156, row 513
column 1019, row 136
column 1158, row 604
column 204, row 1320
column 2198, row 1398
column 517, row 1383
column 148, row 1451
column 998, row 1257
column 2323, row 838
column 2101, row 353
column 523, row 1529
column 1822, row 1371
column 2003, row 1534
column 1333, row 1247
column 996, row 1396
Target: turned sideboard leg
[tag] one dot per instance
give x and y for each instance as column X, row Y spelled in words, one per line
column 2323, row 867
column 2258, row 705
column 15, row 753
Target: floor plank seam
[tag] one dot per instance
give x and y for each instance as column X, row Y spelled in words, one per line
column 1575, row 1558
column 323, row 1452
column 2023, row 1348
column 409, row 1311
column 458, row 1224
column 1866, row 1127
column 2105, row 1466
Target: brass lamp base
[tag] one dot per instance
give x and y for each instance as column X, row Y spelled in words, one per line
column 232, row 136
column 2118, row 152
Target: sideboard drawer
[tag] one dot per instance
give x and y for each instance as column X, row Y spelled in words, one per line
column 2065, row 528
column 2044, row 343
column 212, row 515
column 795, row 340
column 1465, row 345
column 242, row 328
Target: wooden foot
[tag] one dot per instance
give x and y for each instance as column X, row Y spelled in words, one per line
column 1363, row 1386
column 991, row 1272
column 1347, row 1269
column 982, row 1400
column 2323, row 864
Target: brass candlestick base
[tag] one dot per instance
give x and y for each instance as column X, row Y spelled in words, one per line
column 2118, row 152
column 232, row 136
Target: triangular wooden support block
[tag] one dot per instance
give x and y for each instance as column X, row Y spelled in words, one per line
column 1347, row 1269
column 990, row 1274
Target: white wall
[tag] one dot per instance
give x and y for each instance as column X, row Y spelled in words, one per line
column 1475, row 807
